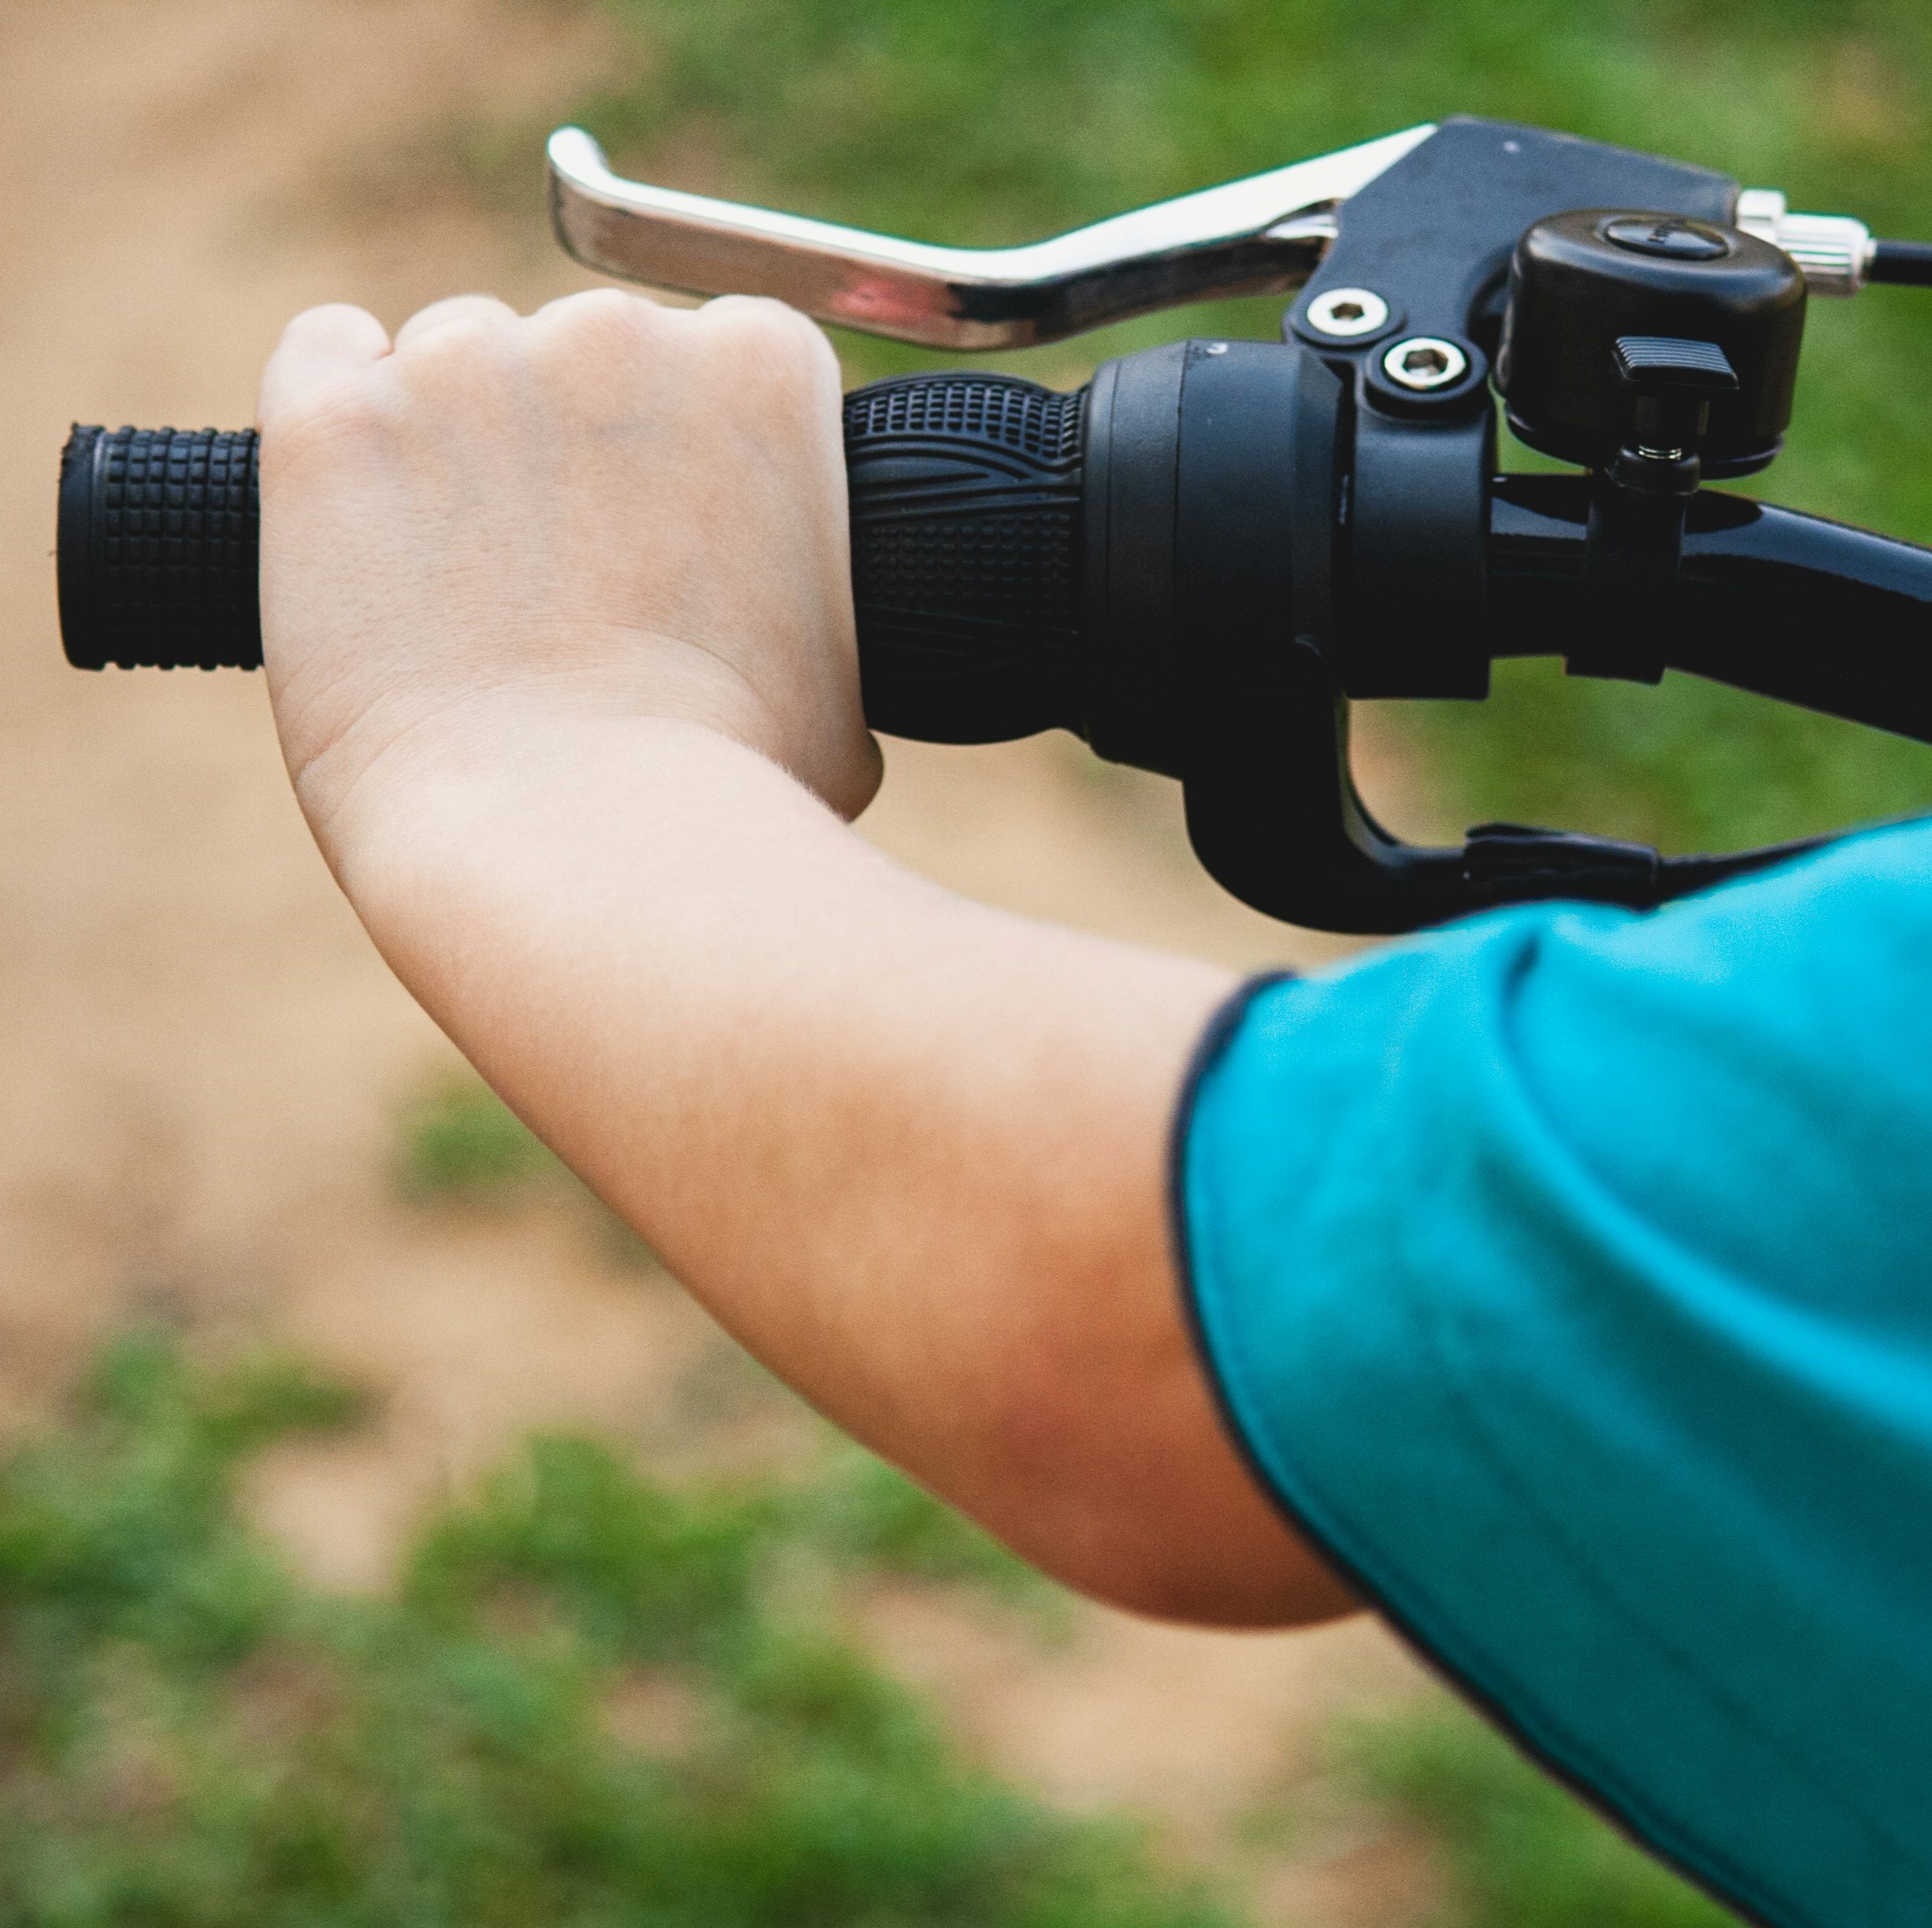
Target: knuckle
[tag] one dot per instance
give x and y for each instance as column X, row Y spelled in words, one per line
column 592, row 354
column 775, row 353
column 328, row 323
column 455, row 333
column 765, row 327
column 599, row 320
column 468, row 358
column 454, row 340
column 457, row 309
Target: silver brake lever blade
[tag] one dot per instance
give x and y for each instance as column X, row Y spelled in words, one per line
column 1256, row 236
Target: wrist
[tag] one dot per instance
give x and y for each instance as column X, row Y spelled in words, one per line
column 441, row 794
column 463, row 860
column 406, row 759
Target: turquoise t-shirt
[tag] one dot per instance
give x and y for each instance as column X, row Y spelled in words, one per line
column 1568, row 1274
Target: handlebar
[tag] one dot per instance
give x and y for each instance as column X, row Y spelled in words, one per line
column 1197, row 562
column 970, row 569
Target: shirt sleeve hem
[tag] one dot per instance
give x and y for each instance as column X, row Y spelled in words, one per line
column 1214, row 1040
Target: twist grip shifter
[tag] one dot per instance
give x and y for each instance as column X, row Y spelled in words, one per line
column 967, row 562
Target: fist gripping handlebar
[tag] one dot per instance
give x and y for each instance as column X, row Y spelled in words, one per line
column 1197, row 561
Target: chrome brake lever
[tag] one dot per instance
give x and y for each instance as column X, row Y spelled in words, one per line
column 1261, row 236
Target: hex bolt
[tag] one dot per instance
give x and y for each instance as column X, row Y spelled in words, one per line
column 1425, row 362
column 1347, row 312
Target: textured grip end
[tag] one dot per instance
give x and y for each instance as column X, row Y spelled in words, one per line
column 158, row 550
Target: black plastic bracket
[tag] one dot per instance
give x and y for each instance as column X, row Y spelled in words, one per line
column 1432, row 234
column 1386, row 593
column 1640, row 501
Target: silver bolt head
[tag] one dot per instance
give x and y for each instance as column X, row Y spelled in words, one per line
column 1346, row 312
column 1425, row 362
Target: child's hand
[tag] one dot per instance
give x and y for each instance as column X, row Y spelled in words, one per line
column 608, row 508
column 547, row 604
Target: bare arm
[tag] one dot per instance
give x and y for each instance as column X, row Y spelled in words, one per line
column 559, row 635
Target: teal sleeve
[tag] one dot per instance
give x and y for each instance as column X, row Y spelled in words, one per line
column 1568, row 1276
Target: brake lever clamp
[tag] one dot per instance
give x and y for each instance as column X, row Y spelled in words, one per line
column 1271, row 530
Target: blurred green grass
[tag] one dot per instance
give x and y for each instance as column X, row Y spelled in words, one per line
column 992, row 120
column 596, row 1700
column 456, row 1142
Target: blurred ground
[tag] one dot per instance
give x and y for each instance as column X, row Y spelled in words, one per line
column 203, row 1057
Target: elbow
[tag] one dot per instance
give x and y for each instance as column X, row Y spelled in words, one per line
column 1232, row 1573
column 1144, row 1503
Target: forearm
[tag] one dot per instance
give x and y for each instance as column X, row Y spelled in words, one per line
column 909, row 1150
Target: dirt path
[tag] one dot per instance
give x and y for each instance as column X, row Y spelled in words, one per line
column 203, row 1056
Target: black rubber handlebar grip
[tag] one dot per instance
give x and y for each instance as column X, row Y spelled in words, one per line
column 966, row 554
column 966, row 551
column 157, row 549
